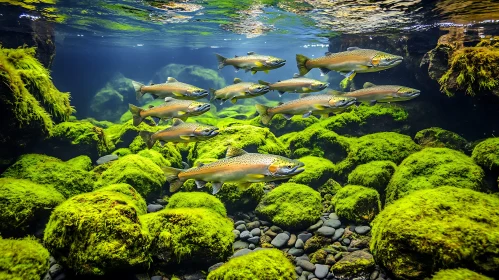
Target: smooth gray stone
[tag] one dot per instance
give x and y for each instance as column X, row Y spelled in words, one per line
column 304, row 236
column 299, row 244
column 295, row 252
column 106, row 158
column 345, row 241
column 306, row 265
column 61, row 276
column 194, row 276
column 333, row 223
column 215, row 266
column 157, row 277
column 242, row 252
column 251, row 246
column 276, row 229
column 161, row 201
column 264, row 223
column 154, row 208
column 240, row 222
column 241, row 227
column 252, row 225
column 315, row 226
column 321, row 270
column 298, row 270
column 239, row 245
column 362, row 229
column 245, row 235
column 254, row 240
column 255, row 232
column 280, row 240
column 52, row 261
column 236, row 233
column 55, row 270
column 302, row 257
column 325, row 231
column 311, row 276
column 333, row 216
column 47, row 276
column 338, row 233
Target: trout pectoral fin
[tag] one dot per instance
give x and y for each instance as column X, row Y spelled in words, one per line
column 177, row 94
column 185, row 137
column 244, row 186
column 253, row 72
column 233, row 100
column 216, row 187
column 200, row 184
column 266, row 71
column 258, row 64
column 255, row 176
column 319, row 107
column 288, row 116
column 181, row 113
column 307, row 114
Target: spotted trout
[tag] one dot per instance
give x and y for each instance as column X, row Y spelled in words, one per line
column 239, row 90
column 237, row 167
column 251, row 62
column 297, row 84
column 348, row 63
column 172, row 88
column 372, row 94
column 319, row 104
column 172, row 108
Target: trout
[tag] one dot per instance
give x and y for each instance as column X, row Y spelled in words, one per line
column 372, row 94
column 297, row 84
column 237, row 167
column 238, row 90
column 172, row 88
column 251, row 62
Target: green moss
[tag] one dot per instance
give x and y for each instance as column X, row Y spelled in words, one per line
column 155, row 156
column 112, row 100
column 317, row 141
column 440, row 138
column 94, row 22
column 317, row 171
column 318, row 256
column 23, row 203
column 185, row 235
column 438, row 228
column 261, row 264
column 279, row 125
column 486, row 154
column 354, row 264
column 357, row 203
column 121, row 152
column 22, row 259
column 196, row 200
column 139, row 172
column 458, row 274
column 99, row 232
column 374, row 175
column 129, row 191
column 432, row 168
column 331, row 187
column 81, row 162
column 66, row 178
column 169, row 152
column 292, row 206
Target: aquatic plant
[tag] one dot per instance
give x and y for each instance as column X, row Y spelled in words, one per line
column 353, row 265
column 196, row 200
column 23, row 259
column 23, row 203
column 440, row 138
column 66, row 177
column 189, row 236
column 356, row 203
column 260, row 264
column 100, row 232
column 317, row 171
column 486, row 154
column 458, row 274
column 121, row 152
column 432, row 229
column 432, row 168
column 374, row 175
column 291, row 206
column 328, row 189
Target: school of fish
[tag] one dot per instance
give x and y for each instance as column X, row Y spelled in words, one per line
column 239, row 166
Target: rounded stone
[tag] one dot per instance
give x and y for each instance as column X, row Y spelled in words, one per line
column 240, row 222
column 306, row 265
column 334, row 223
column 55, row 270
column 254, row 240
column 298, row 270
column 239, row 245
column 295, row 252
column 255, row 232
column 253, row 225
column 241, row 227
column 325, row 231
column 245, row 235
column 299, row 244
column 251, row 246
column 338, row 233
column 345, row 241
column 154, row 208
column 242, row 252
column 321, row 270
column 236, row 233
column 315, row 226
column 292, row 240
column 280, row 240
column 304, row 236
column 362, row 229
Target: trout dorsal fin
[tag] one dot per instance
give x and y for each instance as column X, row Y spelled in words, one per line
column 328, row 53
column 171, row 80
column 234, row 152
column 169, row 99
column 251, row 53
column 353, row 48
column 237, row 81
column 262, row 82
column 296, row 75
column 177, row 122
column 368, row 85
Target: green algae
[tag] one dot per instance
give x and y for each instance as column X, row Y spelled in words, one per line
column 317, row 171
column 486, row 154
column 459, row 274
column 374, row 175
column 22, row 259
column 196, row 200
column 354, row 264
column 155, row 157
column 440, row 138
column 357, row 203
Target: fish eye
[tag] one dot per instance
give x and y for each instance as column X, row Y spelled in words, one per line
column 289, row 166
column 206, row 130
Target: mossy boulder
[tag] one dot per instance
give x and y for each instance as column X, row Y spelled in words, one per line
column 291, row 206
column 358, row 264
column 189, row 236
column 100, row 232
column 260, row 264
column 459, row 274
column 374, row 175
column 317, row 141
column 317, row 171
column 279, row 125
column 68, row 178
column 435, row 137
column 138, row 171
column 192, row 74
column 432, row 168
column 169, row 152
column 121, row 152
column 24, row 203
column 112, row 100
column 432, row 229
column 357, row 203
column 23, row 259
column 155, row 157
column 486, row 154
column 196, row 200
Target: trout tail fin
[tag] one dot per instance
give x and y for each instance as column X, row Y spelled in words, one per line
column 172, row 178
column 301, row 62
column 221, row 61
column 138, row 89
column 137, row 118
column 147, row 137
column 212, row 94
column 265, row 115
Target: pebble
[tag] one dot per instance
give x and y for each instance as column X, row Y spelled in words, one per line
column 106, row 158
column 239, row 245
column 241, row 227
column 215, row 266
column 321, row 270
column 299, row 244
column 315, row 226
column 306, row 265
column 236, row 233
column 252, row 225
column 330, row 276
column 154, row 208
column 345, row 241
column 333, row 216
column 302, row 257
column 242, row 252
column 157, row 277
column 251, row 246
column 271, row 233
column 333, row 223
column 323, row 219
column 311, row 276
column 52, row 261
column 362, row 229
column 280, row 240
column 254, row 240
column 161, row 201
column 304, row 236
column 245, row 235
column 55, row 270
column 353, row 249
column 61, row 276
column 265, row 229
column 338, row 233
column 276, row 229
column 325, row 231
column 194, row 276
column 292, row 240
column 298, row 270
column 295, row 252
column 255, row 232
column 47, row 276
column 264, row 223
column 239, row 223
column 245, row 216
column 374, row 275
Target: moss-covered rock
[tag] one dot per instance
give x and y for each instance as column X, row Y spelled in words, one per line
column 67, row 178
column 317, row 171
column 23, row 203
column 192, row 74
column 356, row 264
column 138, row 171
column 169, row 151
column 374, row 175
column 279, row 125
column 432, row 168
column 189, row 235
column 357, row 203
column 486, row 154
column 438, row 228
column 121, row 152
column 22, row 259
column 260, row 264
column 292, row 206
column 440, row 138
column 459, row 274
column 100, row 232
column 196, row 200
column 155, row 157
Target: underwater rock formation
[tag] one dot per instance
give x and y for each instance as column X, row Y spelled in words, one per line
column 196, row 75
column 440, row 138
column 432, row 168
column 291, row 206
column 459, row 274
column 23, row 259
column 355, row 265
column 317, row 172
column 100, row 232
column 438, row 228
column 486, row 154
column 68, row 178
column 23, row 204
column 374, row 175
column 196, row 200
column 436, row 60
column 357, row 203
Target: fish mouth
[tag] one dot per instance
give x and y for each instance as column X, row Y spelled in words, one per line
column 348, row 103
column 278, row 63
column 204, row 108
column 297, row 170
column 201, row 93
column 323, row 86
column 214, row 132
column 396, row 61
column 415, row 94
column 263, row 89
